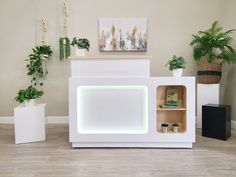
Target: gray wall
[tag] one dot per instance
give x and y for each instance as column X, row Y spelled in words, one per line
column 170, row 25
column 228, row 82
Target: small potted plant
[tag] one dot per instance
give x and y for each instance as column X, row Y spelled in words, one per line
column 29, row 95
column 211, row 48
column 175, row 128
column 82, row 45
column 176, row 65
column 164, row 127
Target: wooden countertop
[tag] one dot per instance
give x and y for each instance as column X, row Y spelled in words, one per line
column 111, row 57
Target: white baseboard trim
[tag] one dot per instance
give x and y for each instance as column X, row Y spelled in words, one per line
column 58, row 120
column 6, row 120
column 65, row 120
column 50, row 120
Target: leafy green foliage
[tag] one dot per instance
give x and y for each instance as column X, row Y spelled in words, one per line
column 35, row 63
column 82, row 43
column 35, row 69
column 214, row 44
column 176, row 63
column 29, row 93
column 64, row 48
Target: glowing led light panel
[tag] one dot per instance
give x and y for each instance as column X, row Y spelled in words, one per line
column 112, row 109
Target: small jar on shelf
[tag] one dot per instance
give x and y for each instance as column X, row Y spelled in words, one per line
column 176, row 128
column 164, row 127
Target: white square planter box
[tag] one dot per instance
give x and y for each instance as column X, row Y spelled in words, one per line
column 29, row 123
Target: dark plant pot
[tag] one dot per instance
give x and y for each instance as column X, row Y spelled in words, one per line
column 209, row 73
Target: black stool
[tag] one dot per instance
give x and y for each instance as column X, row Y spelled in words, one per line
column 216, row 121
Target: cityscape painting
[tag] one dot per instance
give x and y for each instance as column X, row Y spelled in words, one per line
column 123, row 34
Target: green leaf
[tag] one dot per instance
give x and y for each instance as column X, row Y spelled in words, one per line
column 176, row 63
column 206, row 42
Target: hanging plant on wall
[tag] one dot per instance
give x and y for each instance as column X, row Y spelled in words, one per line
column 36, row 67
column 64, row 42
column 37, row 63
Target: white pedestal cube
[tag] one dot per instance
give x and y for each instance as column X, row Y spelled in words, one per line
column 206, row 93
column 29, row 123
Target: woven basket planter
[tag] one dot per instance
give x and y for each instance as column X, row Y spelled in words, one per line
column 209, row 73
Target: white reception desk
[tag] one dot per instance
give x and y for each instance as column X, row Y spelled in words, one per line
column 113, row 102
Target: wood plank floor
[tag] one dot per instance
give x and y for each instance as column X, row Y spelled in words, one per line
column 56, row 158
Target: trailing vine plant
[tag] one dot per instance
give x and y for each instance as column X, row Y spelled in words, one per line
column 36, row 63
column 36, row 68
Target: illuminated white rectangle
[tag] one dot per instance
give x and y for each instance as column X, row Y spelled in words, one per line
column 112, row 109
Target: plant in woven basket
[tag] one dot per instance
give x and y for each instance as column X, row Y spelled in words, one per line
column 212, row 46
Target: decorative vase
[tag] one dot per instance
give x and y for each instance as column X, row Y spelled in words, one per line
column 209, row 73
column 177, row 72
column 30, row 102
column 176, row 129
column 80, row 52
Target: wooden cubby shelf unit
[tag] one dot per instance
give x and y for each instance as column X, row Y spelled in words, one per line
column 171, row 115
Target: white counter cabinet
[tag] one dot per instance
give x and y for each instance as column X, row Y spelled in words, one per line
column 125, row 111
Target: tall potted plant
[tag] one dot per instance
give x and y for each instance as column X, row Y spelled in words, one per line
column 211, row 48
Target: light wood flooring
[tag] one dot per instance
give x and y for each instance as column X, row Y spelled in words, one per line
column 56, row 158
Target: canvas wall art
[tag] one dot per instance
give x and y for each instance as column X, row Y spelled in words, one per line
column 123, row 34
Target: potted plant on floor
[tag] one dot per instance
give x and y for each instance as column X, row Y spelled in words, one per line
column 28, row 95
column 82, row 45
column 211, row 48
column 175, row 127
column 176, row 65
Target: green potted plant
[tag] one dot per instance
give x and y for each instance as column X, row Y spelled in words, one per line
column 176, row 65
column 82, row 45
column 211, row 48
column 36, row 65
column 175, row 127
column 28, row 95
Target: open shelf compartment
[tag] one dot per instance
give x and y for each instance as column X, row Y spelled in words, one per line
column 171, row 115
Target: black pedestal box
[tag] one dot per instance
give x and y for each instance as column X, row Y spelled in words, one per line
column 216, row 121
